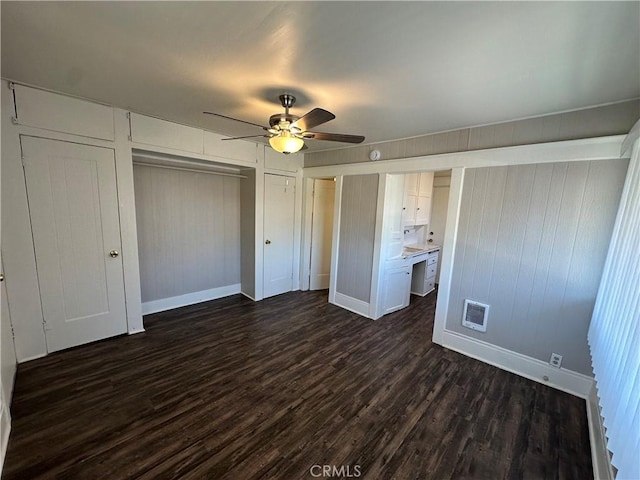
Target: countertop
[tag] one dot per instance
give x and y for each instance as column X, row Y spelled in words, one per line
column 413, row 250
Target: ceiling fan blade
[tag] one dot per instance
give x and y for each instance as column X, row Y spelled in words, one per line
column 334, row 137
column 315, row 117
column 246, row 136
column 236, row 119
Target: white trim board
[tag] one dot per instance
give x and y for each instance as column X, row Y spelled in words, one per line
column 599, row 148
column 33, row 357
column 352, row 304
column 527, row 367
column 163, row 304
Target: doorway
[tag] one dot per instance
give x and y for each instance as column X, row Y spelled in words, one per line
column 441, row 186
column 321, row 233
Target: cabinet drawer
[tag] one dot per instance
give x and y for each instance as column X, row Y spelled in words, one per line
column 430, row 271
column 430, row 284
column 432, row 259
column 397, row 263
column 417, row 258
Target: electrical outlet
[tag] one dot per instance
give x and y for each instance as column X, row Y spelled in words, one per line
column 556, row 360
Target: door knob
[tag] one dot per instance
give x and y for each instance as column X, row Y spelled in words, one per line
column 114, row 253
column 1, row 277
column 268, row 242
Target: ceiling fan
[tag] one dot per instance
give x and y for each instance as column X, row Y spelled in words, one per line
column 286, row 132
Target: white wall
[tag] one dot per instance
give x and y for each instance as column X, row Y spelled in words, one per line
column 248, row 232
column 188, row 233
column 356, row 236
column 531, row 243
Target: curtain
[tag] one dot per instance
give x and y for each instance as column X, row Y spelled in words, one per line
column 614, row 334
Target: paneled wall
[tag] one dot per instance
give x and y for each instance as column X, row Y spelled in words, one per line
column 356, row 241
column 615, row 119
column 248, row 232
column 531, row 243
column 188, row 231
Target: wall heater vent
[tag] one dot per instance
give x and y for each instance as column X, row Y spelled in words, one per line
column 475, row 315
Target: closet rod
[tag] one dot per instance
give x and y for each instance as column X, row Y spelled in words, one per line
column 177, row 161
column 183, row 169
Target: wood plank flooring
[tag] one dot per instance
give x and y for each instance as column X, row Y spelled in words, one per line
column 233, row 389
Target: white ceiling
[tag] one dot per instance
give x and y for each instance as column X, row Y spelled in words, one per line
column 388, row 70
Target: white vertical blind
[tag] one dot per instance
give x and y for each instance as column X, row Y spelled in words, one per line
column 614, row 334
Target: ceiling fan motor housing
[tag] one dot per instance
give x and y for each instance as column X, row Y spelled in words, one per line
column 282, row 121
column 282, row 117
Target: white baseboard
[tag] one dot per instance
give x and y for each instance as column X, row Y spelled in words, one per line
column 248, row 296
column 352, row 304
column 528, row 367
column 33, row 357
column 189, row 299
column 602, row 469
column 138, row 330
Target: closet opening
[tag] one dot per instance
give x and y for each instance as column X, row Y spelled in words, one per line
column 196, row 229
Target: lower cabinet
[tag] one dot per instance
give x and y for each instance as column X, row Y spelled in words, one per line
column 397, row 286
column 424, row 275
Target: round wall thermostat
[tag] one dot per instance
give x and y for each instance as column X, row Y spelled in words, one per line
column 374, row 155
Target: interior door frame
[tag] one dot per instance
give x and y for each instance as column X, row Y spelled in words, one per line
column 320, row 184
column 307, row 226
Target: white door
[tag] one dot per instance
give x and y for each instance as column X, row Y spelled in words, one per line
column 321, row 233
column 73, row 204
column 279, row 211
column 439, row 218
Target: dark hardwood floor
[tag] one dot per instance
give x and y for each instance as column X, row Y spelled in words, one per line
column 233, row 389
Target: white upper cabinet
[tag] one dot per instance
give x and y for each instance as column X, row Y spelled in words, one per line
column 153, row 131
column 279, row 161
column 416, row 208
column 411, row 183
column 392, row 235
column 423, row 207
column 58, row 113
column 233, row 149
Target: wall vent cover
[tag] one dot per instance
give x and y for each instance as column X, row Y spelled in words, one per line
column 475, row 315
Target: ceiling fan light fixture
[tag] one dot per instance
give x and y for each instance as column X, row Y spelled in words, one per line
column 286, row 143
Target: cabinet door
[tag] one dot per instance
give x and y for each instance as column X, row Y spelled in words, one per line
column 397, row 288
column 426, row 184
column 423, row 210
column 411, row 183
column 393, row 237
column 409, row 210
column 423, row 202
